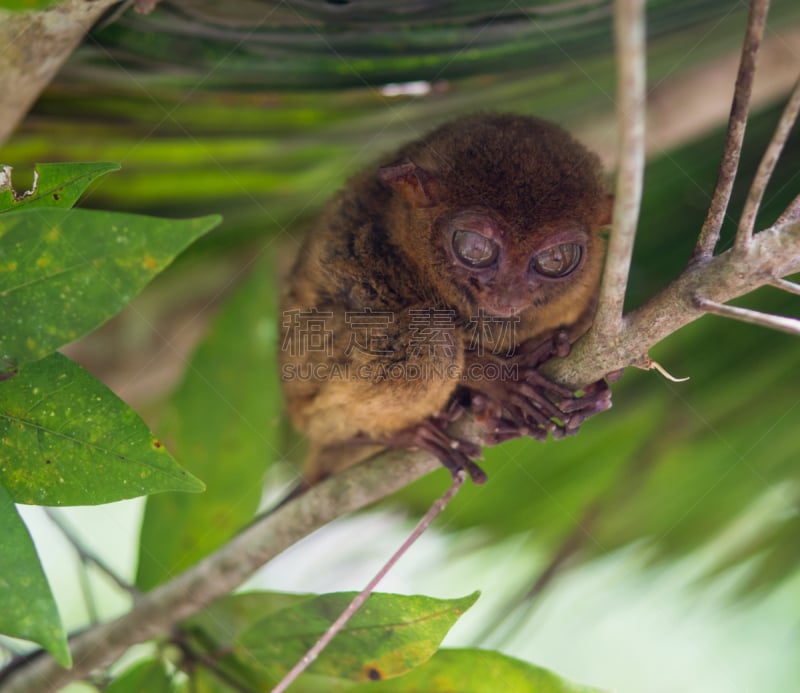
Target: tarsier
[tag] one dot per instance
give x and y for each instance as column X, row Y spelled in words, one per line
column 440, row 281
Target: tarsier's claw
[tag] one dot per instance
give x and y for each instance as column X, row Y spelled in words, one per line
column 561, row 345
column 454, row 454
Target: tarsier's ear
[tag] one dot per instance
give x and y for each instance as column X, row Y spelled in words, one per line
column 410, row 181
column 606, row 211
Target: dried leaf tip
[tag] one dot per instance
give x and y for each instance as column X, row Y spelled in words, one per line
column 652, row 365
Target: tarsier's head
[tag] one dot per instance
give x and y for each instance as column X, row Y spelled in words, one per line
column 510, row 208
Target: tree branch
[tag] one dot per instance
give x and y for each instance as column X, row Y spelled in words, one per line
column 791, row 213
column 786, row 285
column 753, row 317
column 35, row 45
column 629, row 32
column 773, row 253
column 744, row 233
column 709, row 234
column 86, row 555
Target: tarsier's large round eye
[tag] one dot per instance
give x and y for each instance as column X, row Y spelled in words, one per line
column 558, row 261
column 474, row 249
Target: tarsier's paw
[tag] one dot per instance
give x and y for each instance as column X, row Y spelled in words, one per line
column 454, row 454
column 576, row 409
column 535, row 406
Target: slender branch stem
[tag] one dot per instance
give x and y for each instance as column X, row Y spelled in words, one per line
column 86, row 555
column 709, row 234
column 765, row 169
column 791, row 213
column 193, row 658
column 361, row 597
column 629, row 27
column 518, row 608
column 786, row 285
column 86, row 591
column 754, row 317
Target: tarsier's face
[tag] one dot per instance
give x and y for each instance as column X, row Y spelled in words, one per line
column 501, row 214
column 505, row 270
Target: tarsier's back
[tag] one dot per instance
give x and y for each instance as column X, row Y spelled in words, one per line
column 439, row 281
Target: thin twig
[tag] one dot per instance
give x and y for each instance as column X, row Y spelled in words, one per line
column 86, row 555
column 709, row 234
column 512, row 614
column 629, row 28
column 86, row 591
column 209, row 663
column 786, row 285
column 361, row 597
column 744, row 234
column 753, row 317
column 790, row 214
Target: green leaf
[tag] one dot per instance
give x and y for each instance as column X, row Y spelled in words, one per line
column 202, row 680
column 26, row 5
column 66, row 439
column 27, row 608
column 223, row 424
column 148, row 676
column 475, row 671
column 64, row 272
column 390, row 635
column 55, row 185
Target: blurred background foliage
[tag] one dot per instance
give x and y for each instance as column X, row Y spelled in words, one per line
column 260, row 111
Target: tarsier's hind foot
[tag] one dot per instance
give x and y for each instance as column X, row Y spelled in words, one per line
column 454, row 454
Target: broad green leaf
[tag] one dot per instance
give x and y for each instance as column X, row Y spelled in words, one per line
column 223, row 424
column 475, row 671
column 64, row 272
column 387, row 637
column 66, row 439
column 148, row 676
column 55, row 185
column 27, row 608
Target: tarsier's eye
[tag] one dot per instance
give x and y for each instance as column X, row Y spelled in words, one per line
column 473, row 249
column 557, row 261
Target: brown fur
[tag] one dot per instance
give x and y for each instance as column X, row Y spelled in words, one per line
column 383, row 244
